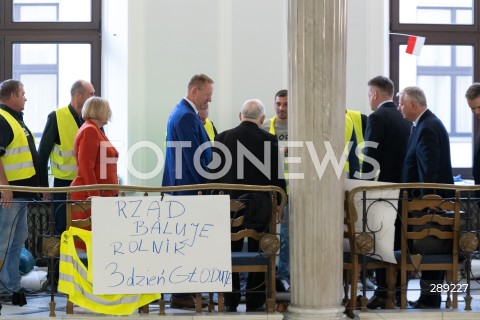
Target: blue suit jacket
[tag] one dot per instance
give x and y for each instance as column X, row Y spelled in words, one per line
column 428, row 153
column 185, row 126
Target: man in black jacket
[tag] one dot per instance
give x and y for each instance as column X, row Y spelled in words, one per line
column 248, row 141
column 387, row 128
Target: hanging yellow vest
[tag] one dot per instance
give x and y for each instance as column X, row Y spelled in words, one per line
column 209, row 128
column 62, row 159
column 76, row 280
column 17, row 161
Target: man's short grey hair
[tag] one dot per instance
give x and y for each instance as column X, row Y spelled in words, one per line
column 253, row 109
column 414, row 93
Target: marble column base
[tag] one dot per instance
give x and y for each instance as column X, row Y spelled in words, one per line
column 296, row 313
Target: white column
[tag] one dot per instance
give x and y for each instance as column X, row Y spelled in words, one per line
column 316, row 119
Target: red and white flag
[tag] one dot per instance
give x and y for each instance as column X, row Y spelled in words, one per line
column 414, row 45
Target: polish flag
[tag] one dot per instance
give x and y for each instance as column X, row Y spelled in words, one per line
column 414, row 45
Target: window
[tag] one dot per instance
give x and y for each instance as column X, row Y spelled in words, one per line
column 446, row 66
column 48, row 45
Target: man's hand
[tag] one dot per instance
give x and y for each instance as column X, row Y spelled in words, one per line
column 7, row 197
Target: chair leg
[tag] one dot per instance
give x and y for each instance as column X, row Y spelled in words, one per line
column 221, row 304
column 211, row 304
column 198, row 302
column 403, row 291
column 448, row 303
column 161, row 304
column 391, row 278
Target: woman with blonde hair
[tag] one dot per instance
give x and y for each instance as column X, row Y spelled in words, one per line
column 96, row 156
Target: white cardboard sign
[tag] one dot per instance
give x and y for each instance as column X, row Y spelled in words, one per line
column 161, row 245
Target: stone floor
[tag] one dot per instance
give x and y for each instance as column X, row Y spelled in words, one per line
column 38, row 308
column 414, row 314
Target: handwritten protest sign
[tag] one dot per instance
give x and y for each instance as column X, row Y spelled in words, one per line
column 381, row 215
column 155, row 245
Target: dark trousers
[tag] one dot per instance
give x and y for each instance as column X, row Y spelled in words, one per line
column 59, row 206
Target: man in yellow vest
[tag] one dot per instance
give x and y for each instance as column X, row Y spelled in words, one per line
column 207, row 123
column 57, row 145
column 18, row 166
column 278, row 125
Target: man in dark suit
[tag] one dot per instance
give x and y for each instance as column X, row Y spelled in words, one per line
column 427, row 160
column 387, row 128
column 473, row 100
column 249, row 138
column 389, row 131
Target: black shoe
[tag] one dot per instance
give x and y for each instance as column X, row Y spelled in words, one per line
column 259, row 309
column 230, row 309
column 376, row 302
column 419, row 305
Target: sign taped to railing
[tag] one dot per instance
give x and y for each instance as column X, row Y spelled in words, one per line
column 161, row 245
column 381, row 209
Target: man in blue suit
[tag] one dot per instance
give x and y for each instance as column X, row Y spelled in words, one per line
column 427, row 160
column 185, row 135
column 186, row 132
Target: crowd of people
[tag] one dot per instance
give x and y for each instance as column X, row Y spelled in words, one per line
column 411, row 145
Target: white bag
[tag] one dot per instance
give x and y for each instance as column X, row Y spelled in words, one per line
column 34, row 280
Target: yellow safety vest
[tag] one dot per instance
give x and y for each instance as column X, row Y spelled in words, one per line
column 285, row 161
column 348, row 136
column 17, row 160
column 62, row 160
column 76, row 280
column 209, row 128
column 356, row 117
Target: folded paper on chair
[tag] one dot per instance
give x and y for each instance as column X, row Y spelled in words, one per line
column 381, row 212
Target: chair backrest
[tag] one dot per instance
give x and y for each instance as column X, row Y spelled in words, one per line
column 430, row 224
column 77, row 206
column 239, row 231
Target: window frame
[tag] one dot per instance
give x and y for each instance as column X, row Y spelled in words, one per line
column 438, row 34
column 50, row 32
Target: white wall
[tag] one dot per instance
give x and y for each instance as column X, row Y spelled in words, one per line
column 367, row 48
column 151, row 48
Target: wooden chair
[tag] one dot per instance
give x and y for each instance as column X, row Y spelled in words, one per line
column 353, row 264
column 262, row 261
column 440, row 218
